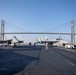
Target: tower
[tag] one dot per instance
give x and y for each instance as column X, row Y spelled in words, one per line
column 72, row 32
column 2, row 29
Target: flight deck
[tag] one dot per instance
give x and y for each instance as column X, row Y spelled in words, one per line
column 35, row 60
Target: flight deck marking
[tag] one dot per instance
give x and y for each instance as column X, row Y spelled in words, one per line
column 70, row 62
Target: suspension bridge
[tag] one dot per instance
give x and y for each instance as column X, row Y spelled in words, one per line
column 72, row 33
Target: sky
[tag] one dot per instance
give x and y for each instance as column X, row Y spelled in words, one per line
column 38, row 16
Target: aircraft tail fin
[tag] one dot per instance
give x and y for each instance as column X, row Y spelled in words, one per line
column 15, row 39
column 39, row 39
column 46, row 38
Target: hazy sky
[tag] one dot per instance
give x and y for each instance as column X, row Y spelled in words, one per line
column 38, row 15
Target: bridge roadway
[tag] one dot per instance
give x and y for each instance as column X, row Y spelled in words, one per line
column 35, row 60
column 38, row 33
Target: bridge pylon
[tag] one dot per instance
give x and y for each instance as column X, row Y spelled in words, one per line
column 72, row 32
column 2, row 29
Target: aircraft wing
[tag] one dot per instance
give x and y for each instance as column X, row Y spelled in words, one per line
column 20, row 41
column 5, row 41
column 50, row 42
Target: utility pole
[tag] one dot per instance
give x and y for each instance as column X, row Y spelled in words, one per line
column 72, row 32
column 2, row 29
